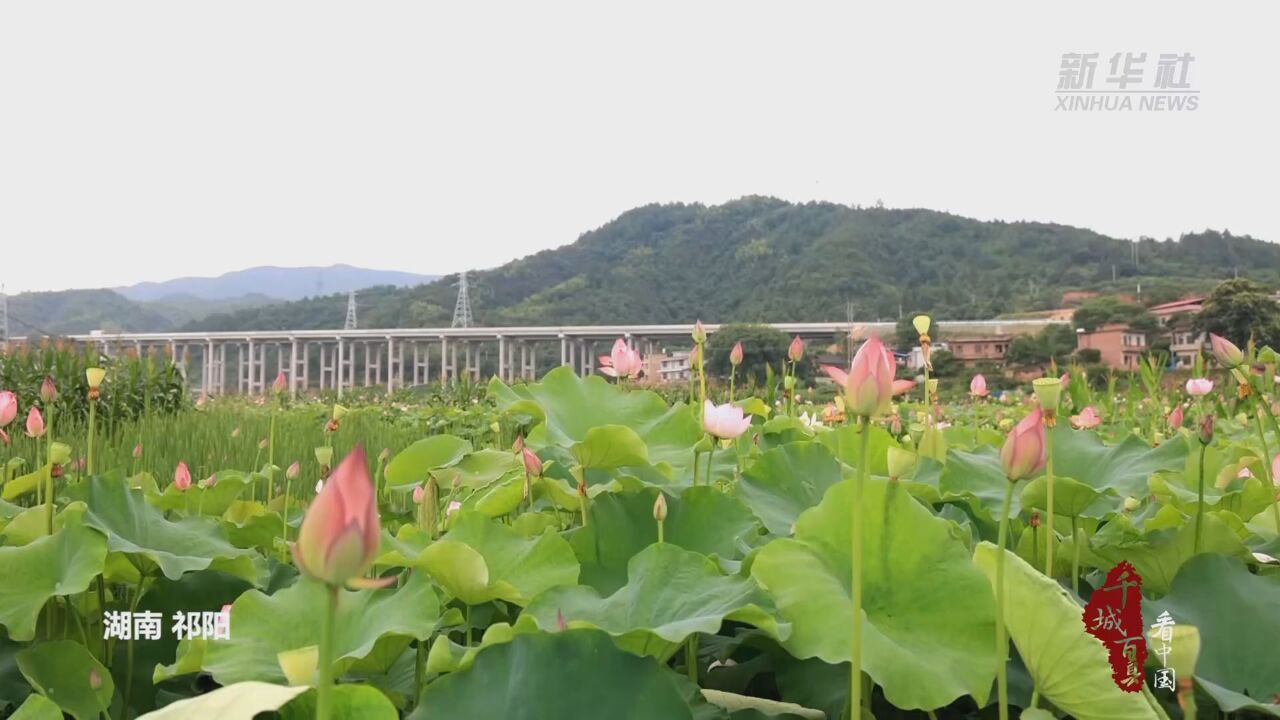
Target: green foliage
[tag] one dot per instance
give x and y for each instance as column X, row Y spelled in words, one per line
column 1241, row 310
column 1107, row 309
column 761, row 346
column 1054, row 342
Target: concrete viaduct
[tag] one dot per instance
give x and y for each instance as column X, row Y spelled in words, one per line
column 248, row 362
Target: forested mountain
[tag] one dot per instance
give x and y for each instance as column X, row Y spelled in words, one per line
column 279, row 283
column 762, row 259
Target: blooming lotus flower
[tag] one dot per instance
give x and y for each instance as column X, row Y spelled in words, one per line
column 1175, row 417
column 281, row 383
column 978, row 386
column 812, row 422
column 795, row 351
column 209, row 481
column 95, row 377
column 8, row 408
column 735, row 355
column 1087, row 419
column 182, row 477
column 1023, row 453
column 293, row 471
column 339, row 536
column 48, row 391
column 622, row 361
column 725, row 422
column 1228, row 355
column 1199, row 387
column 35, row 423
column 868, row 386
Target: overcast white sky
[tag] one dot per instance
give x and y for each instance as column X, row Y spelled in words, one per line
column 147, row 140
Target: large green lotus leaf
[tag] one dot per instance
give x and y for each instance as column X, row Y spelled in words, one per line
column 412, row 464
column 263, row 626
column 1238, row 615
column 786, row 481
column 745, row 707
column 24, row 484
column 241, row 701
column 620, row 525
column 1069, row 665
column 572, row 406
column 480, row 560
column 1230, row 701
column 610, row 446
column 478, row 469
column 844, row 442
column 570, row 674
column 1159, row 554
column 1124, row 467
column 978, row 479
column 350, row 702
column 60, row 564
column 134, row 527
column 500, row 499
column 929, row 614
column 204, row 500
column 1071, row 498
column 671, row 594
column 1245, row 497
column 63, row 671
column 37, row 707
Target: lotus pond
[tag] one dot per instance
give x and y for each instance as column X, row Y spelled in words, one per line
column 588, row 548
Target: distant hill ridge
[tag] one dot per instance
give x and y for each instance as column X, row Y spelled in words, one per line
column 281, row 283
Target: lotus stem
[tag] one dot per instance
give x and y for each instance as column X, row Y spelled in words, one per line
column 855, row 562
column 733, row 371
column 48, row 475
column 1200, row 501
column 1002, row 642
column 1048, row 475
column 691, row 657
column 1075, row 556
column 93, row 405
column 271, row 454
column 324, row 686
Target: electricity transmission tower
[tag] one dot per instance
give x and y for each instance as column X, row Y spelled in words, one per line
column 351, row 312
column 462, row 310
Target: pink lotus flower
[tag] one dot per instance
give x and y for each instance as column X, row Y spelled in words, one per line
column 978, row 386
column 868, row 386
column 724, row 421
column 182, row 477
column 532, row 463
column 699, row 333
column 454, row 507
column 293, row 471
column 1087, row 419
column 281, row 383
column 35, row 423
column 902, row 386
column 48, row 391
column 1023, row 453
column 796, row 350
column 1199, row 387
column 1175, row 418
column 339, row 536
column 735, row 355
column 622, row 361
column 1065, row 380
column 1226, row 352
column 8, row 408
column 419, row 492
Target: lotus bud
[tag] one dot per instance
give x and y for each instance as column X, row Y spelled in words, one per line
column 262, row 444
column 1034, row 520
column 385, row 455
column 1199, row 387
column 1175, row 418
column 978, row 386
column 868, row 386
column 137, row 451
column 699, row 333
column 901, row 462
column 660, row 507
column 293, row 471
column 95, row 377
column 795, row 351
column 1131, row 504
column 48, row 391
column 1206, row 429
column 338, row 540
column 419, row 492
column 8, row 408
column 1065, row 380
column 235, row 432
column 1226, row 352
column 1023, row 453
column 735, row 355
column 182, row 477
column 209, row 481
column 35, row 423
column 532, row 463
column 695, row 358
column 281, row 383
